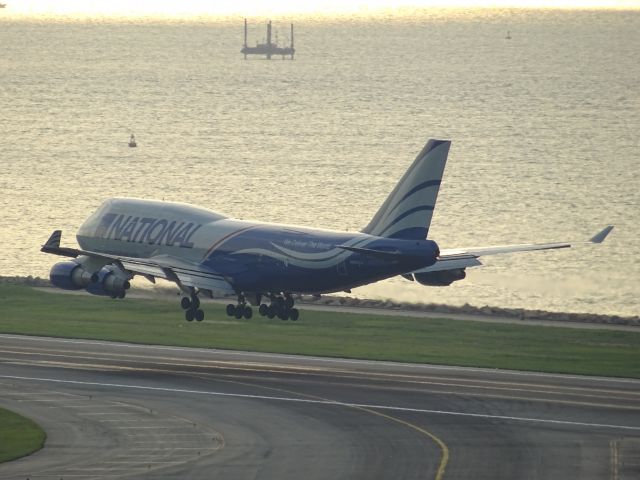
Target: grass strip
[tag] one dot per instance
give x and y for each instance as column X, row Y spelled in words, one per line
column 24, row 310
column 19, row 436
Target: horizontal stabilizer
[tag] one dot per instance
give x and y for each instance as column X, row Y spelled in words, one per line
column 371, row 252
column 451, row 262
column 484, row 251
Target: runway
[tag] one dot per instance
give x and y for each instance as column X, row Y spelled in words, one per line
column 114, row 410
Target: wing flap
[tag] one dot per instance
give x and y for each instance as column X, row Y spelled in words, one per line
column 207, row 282
column 184, row 274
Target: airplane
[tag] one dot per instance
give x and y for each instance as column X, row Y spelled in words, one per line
column 205, row 253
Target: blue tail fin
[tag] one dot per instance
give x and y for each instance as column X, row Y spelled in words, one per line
column 407, row 211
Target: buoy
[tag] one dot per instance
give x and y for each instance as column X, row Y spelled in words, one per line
column 132, row 141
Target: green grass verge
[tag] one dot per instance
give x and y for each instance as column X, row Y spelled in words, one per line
column 24, row 310
column 19, row 436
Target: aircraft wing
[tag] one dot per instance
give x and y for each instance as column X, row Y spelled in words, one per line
column 468, row 257
column 181, row 272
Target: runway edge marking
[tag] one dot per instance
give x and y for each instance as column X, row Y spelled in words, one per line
column 329, row 402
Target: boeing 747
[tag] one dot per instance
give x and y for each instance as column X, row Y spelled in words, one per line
column 263, row 264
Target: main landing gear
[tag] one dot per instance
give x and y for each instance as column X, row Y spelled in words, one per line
column 240, row 310
column 191, row 307
column 280, row 306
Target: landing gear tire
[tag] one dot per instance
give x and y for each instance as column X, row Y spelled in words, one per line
column 281, row 306
column 288, row 302
column 263, row 309
column 185, row 303
column 191, row 307
column 242, row 309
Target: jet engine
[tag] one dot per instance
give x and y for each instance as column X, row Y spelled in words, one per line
column 442, row 278
column 70, row 276
column 111, row 281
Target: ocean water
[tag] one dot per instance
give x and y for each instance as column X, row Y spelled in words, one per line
column 544, row 127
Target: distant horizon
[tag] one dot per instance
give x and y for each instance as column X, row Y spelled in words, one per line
column 319, row 8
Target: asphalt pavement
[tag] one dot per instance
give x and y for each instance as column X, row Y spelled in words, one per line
column 115, row 410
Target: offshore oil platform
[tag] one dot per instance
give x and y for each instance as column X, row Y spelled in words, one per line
column 269, row 48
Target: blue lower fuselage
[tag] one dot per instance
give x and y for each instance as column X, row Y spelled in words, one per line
column 275, row 258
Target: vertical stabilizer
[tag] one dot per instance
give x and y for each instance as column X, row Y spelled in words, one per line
column 407, row 211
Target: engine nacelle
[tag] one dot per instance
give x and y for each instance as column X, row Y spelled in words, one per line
column 442, row 278
column 70, row 276
column 110, row 281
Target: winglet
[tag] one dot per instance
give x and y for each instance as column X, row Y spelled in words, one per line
column 53, row 246
column 600, row 236
column 54, row 240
